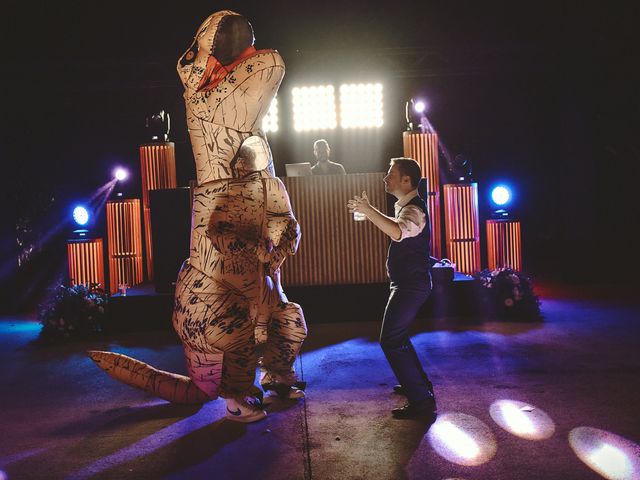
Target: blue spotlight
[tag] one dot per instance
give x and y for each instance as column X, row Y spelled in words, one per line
column 502, row 199
column 501, row 195
column 80, row 215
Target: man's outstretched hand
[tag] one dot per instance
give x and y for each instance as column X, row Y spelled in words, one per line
column 359, row 204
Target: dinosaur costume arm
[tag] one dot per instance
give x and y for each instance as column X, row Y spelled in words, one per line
column 282, row 231
column 232, row 238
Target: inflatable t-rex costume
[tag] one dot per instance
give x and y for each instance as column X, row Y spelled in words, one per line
column 228, row 294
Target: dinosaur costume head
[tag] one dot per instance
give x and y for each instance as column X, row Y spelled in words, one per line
column 228, row 86
column 223, row 36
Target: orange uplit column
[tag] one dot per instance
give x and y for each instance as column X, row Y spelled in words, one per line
column 124, row 243
column 423, row 148
column 462, row 226
column 86, row 261
column 504, row 244
column 158, row 171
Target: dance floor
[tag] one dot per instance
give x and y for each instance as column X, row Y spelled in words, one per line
column 552, row 399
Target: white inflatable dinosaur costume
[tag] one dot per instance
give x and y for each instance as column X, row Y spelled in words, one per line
column 228, row 295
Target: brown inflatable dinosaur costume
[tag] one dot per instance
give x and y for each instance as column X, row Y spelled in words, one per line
column 229, row 302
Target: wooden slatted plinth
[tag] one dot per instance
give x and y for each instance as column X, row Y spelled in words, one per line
column 423, row 148
column 462, row 226
column 124, row 237
column 86, row 261
column 504, row 244
column 158, row 171
column 335, row 249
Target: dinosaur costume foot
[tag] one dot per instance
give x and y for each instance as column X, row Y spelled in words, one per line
column 245, row 410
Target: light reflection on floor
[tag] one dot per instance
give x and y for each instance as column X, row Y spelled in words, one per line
column 612, row 456
column 522, row 419
column 462, row 439
column 17, row 457
column 18, row 326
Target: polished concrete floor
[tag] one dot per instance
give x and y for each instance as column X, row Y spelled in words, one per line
column 554, row 399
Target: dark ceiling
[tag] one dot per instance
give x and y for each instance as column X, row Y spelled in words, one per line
column 544, row 92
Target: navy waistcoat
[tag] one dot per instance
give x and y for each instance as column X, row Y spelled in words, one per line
column 408, row 260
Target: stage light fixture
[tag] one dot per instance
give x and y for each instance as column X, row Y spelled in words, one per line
column 420, row 106
column 361, row 105
column 460, row 168
column 120, row 174
column 314, row 108
column 158, row 126
column 80, row 215
column 270, row 120
column 412, row 116
column 501, row 195
column 501, row 202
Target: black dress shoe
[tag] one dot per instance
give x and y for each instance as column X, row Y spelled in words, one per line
column 426, row 410
column 399, row 389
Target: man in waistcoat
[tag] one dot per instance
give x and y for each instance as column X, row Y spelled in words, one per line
column 409, row 270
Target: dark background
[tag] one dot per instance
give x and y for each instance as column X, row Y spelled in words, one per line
column 543, row 95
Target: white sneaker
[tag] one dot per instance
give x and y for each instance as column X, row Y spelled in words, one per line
column 245, row 410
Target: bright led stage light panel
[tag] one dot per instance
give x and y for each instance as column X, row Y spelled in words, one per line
column 361, row 105
column 314, row 108
column 270, row 120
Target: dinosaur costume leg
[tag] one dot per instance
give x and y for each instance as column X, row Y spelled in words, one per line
column 281, row 325
column 286, row 332
column 217, row 328
column 205, row 370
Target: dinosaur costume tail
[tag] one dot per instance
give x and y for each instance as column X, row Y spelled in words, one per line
column 166, row 385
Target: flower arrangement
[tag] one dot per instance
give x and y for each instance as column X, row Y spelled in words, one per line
column 74, row 311
column 509, row 293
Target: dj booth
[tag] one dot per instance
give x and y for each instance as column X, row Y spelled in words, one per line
column 334, row 248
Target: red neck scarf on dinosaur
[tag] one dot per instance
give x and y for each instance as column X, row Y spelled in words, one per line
column 215, row 71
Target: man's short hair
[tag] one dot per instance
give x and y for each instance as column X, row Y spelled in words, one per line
column 318, row 142
column 408, row 167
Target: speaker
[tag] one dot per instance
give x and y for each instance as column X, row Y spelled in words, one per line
column 170, row 231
